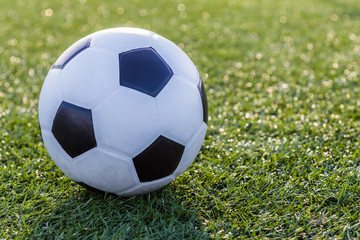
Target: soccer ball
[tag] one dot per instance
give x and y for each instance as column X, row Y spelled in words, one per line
column 123, row 110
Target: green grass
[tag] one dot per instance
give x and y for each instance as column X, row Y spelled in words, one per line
column 281, row 158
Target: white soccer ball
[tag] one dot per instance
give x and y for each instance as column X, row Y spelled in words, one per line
column 123, row 110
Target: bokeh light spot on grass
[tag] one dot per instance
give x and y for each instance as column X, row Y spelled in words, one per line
column 48, row 12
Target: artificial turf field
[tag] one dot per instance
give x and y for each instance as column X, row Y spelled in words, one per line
column 281, row 158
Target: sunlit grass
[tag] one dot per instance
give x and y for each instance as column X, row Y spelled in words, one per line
column 281, row 157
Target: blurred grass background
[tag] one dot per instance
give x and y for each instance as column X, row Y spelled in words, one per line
column 281, row 156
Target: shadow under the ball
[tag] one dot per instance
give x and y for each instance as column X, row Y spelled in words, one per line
column 159, row 214
column 92, row 189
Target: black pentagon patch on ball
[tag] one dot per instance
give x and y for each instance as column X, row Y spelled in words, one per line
column 203, row 100
column 73, row 129
column 144, row 70
column 71, row 52
column 158, row 160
